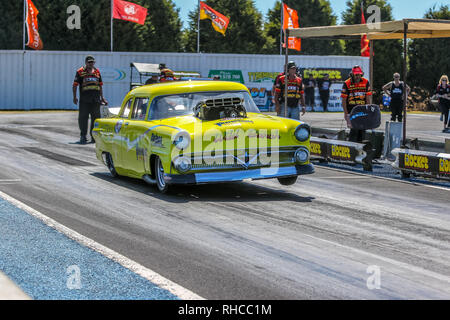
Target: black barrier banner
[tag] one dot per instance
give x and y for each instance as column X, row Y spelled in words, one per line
column 318, row 149
column 342, row 153
column 444, row 167
column 434, row 165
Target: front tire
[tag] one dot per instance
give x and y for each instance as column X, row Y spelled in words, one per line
column 110, row 165
column 287, row 181
column 159, row 175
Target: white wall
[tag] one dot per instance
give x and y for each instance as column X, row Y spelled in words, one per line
column 43, row 79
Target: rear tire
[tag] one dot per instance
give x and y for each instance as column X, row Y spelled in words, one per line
column 110, row 165
column 287, row 181
column 159, row 175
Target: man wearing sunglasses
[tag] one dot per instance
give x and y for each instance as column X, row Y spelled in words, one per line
column 89, row 80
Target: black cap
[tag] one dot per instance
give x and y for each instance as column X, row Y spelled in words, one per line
column 291, row 64
column 89, row 58
column 162, row 66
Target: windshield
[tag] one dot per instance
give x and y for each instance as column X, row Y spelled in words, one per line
column 182, row 104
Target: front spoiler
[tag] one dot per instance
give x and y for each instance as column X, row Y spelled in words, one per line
column 239, row 175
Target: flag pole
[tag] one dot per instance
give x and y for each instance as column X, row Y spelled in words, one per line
column 198, row 28
column 112, row 33
column 281, row 29
column 24, row 22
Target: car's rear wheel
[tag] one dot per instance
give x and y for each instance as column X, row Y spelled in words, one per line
column 287, row 181
column 110, row 165
column 159, row 175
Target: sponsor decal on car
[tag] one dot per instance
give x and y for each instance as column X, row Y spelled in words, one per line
column 157, row 141
column 232, row 121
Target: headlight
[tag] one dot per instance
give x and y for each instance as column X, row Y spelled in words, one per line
column 302, row 132
column 301, row 155
column 182, row 164
column 182, row 140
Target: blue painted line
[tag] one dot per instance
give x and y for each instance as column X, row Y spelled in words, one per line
column 48, row 265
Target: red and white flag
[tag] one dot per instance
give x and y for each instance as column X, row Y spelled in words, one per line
column 34, row 40
column 124, row 10
column 290, row 20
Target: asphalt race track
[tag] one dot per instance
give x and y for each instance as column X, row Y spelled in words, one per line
column 333, row 235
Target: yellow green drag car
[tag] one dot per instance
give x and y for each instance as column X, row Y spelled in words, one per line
column 196, row 132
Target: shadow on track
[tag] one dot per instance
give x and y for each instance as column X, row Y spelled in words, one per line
column 228, row 192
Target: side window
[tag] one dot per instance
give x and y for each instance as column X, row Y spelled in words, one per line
column 126, row 109
column 140, row 108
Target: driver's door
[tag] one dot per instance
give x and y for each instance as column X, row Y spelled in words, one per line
column 135, row 146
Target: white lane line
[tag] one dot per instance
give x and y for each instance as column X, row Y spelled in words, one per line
column 10, row 291
column 137, row 268
column 6, row 181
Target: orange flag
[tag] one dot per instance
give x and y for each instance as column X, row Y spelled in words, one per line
column 218, row 20
column 290, row 20
column 365, row 43
column 34, row 40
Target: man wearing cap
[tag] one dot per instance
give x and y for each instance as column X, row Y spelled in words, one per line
column 89, row 80
column 295, row 94
column 355, row 91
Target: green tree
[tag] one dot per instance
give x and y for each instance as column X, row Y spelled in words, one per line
column 11, row 26
column 388, row 54
column 161, row 31
column 310, row 13
column 429, row 58
column 244, row 33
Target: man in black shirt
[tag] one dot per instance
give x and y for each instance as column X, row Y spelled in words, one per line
column 310, row 86
column 324, row 85
column 89, row 80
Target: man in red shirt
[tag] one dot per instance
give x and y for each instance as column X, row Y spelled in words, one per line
column 295, row 94
column 89, row 80
column 355, row 91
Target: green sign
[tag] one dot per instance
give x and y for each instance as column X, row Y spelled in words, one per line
column 227, row 75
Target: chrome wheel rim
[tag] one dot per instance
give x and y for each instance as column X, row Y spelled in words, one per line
column 160, row 174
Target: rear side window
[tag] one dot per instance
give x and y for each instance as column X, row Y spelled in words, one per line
column 140, row 108
column 126, row 110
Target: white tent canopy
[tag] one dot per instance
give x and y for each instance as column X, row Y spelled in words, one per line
column 415, row 29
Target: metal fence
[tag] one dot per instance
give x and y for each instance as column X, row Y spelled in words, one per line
column 43, row 79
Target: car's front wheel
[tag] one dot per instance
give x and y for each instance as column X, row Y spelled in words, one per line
column 287, row 181
column 159, row 175
column 110, row 164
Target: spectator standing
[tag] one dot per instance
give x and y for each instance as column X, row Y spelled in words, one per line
column 396, row 89
column 355, row 91
column 443, row 92
column 324, row 85
column 89, row 80
column 310, row 87
column 295, row 94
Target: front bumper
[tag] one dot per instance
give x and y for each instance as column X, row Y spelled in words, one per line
column 239, row 175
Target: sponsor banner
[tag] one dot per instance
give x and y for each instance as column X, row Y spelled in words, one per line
column 110, row 74
column 336, row 74
column 437, row 165
column 227, row 75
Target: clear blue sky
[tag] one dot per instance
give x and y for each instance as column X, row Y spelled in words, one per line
column 401, row 8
